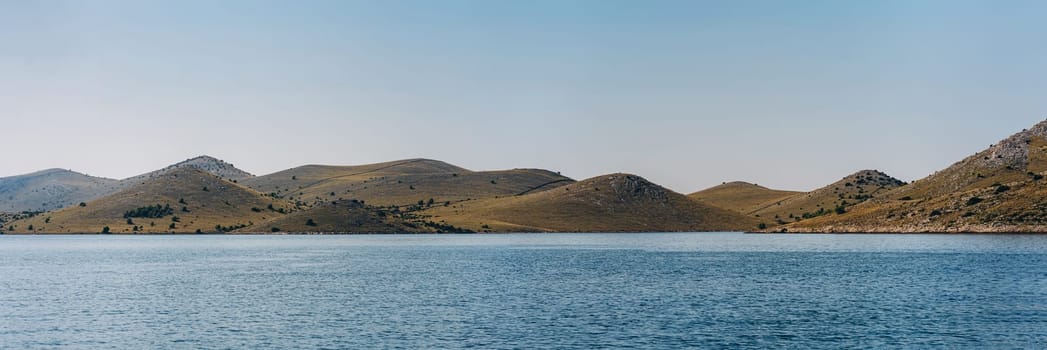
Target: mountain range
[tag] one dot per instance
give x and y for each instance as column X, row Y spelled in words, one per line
column 1000, row 189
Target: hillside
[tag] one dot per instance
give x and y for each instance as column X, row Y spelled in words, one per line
column 214, row 166
column 347, row 216
column 400, row 183
column 609, row 203
column 742, row 197
column 829, row 200
column 179, row 200
column 1000, row 189
column 51, row 189
column 56, row 188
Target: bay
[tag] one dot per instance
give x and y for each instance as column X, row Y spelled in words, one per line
column 671, row 290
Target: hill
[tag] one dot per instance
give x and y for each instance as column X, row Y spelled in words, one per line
column 829, row 200
column 51, row 189
column 348, row 216
column 401, row 183
column 609, row 203
column 742, row 197
column 56, row 188
column 179, row 200
column 1000, row 189
column 212, row 165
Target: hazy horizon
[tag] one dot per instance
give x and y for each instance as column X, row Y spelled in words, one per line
column 687, row 94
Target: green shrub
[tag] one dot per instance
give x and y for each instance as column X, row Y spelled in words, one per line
column 156, row 211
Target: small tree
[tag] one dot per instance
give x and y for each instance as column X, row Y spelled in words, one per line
column 310, row 222
column 82, row 204
column 105, row 229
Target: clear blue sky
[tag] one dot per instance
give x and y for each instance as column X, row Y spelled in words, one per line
column 789, row 94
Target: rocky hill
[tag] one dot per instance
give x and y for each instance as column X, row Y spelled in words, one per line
column 214, row 166
column 1000, row 189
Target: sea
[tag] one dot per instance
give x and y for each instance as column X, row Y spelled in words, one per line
column 523, row 291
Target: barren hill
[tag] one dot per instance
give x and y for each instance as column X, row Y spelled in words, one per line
column 829, row 200
column 214, row 166
column 401, row 183
column 180, row 200
column 1000, row 189
column 742, row 197
column 56, row 188
column 51, row 189
column 609, row 203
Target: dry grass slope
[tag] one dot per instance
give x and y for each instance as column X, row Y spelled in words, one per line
column 346, row 216
column 1000, row 189
column 609, row 203
column 199, row 201
column 742, row 197
column 845, row 193
column 401, row 183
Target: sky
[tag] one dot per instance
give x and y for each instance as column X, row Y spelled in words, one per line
column 688, row 94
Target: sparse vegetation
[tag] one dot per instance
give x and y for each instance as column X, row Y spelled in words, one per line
column 156, row 211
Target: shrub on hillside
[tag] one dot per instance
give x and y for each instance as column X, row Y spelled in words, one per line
column 156, row 211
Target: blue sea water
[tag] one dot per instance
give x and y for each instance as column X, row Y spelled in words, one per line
column 697, row 290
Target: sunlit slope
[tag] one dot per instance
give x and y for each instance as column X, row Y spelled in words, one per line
column 609, row 203
column 1000, row 189
column 838, row 196
column 742, row 197
column 401, row 183
column 197, row 200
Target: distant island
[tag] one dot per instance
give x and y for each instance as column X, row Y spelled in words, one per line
column 1000, row 189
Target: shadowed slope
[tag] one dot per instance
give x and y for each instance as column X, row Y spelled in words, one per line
column 345, row 216
column 51, row 189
